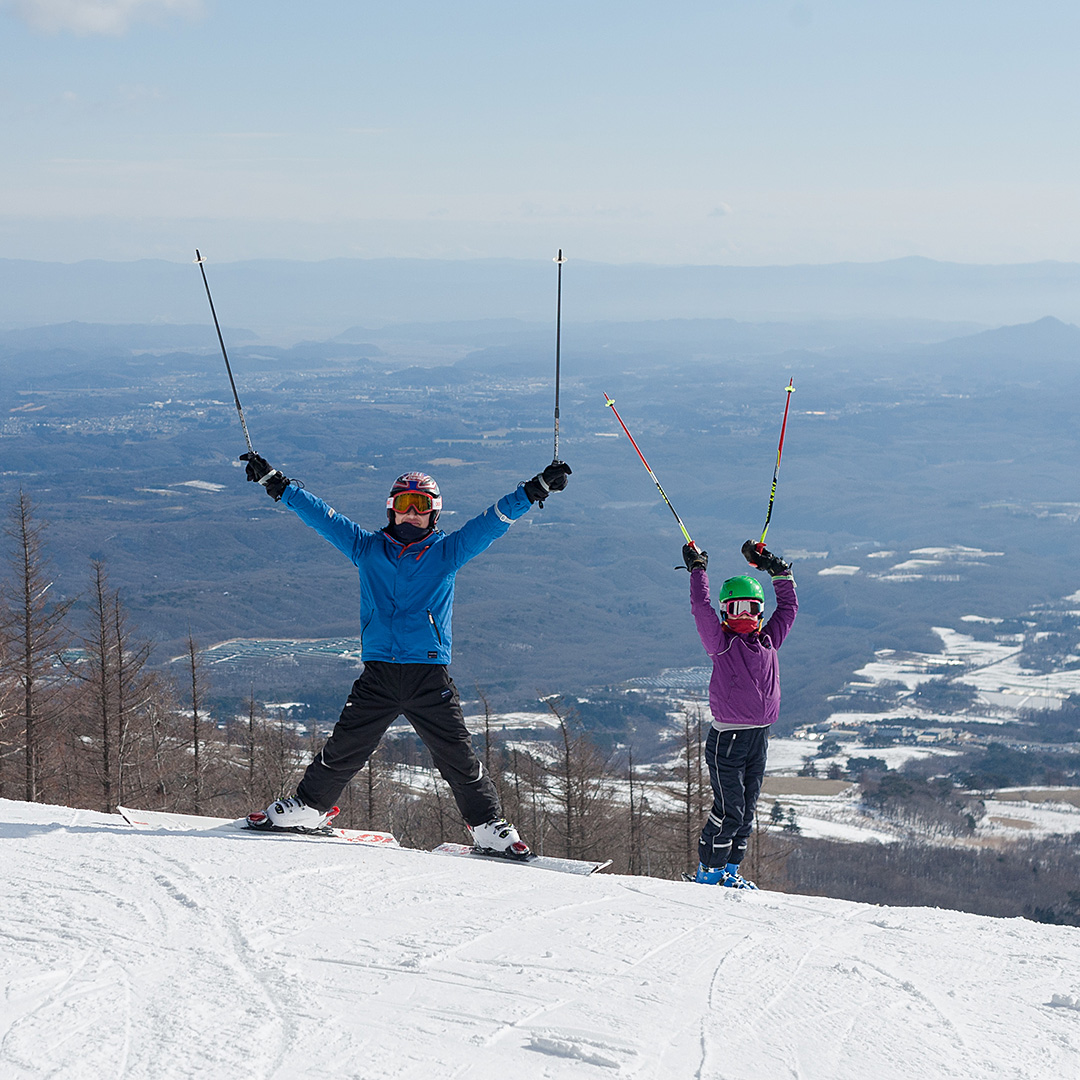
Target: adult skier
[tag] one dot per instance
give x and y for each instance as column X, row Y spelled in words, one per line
column 744, row 699
column 407, row 572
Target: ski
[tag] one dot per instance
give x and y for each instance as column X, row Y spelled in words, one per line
column 160, row 821
column 582, row 867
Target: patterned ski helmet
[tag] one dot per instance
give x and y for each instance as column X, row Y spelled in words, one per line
column 418, row 482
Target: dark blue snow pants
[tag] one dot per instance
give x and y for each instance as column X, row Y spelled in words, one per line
column 736, row 761
column 426, row 696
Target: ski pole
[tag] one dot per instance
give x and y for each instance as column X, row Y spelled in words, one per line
column 236, row 397
column 558, row 337
column 790, row 388
column 611, row 405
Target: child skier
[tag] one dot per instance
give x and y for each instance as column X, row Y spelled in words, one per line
column 744, row 698
column 407, row 572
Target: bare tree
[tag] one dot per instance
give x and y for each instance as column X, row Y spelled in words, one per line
column 116, row 686
column 36, row 635
column 634, row 839
column 197, row 680
column 768, row 855
column 493, row 757
column 254, row 733
column 8, row 739
column 582, row 787
column 686, row 788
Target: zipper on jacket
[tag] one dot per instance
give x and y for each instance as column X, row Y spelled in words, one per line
column 438, row 636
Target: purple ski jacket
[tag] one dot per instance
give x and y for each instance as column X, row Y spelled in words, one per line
column 745, row 683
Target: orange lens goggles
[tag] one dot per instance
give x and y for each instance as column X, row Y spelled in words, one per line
column 404, row 501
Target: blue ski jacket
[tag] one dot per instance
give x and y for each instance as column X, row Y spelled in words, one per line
column 407, row 590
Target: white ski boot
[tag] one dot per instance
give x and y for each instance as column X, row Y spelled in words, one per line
column 292, row 814
column 499, row 837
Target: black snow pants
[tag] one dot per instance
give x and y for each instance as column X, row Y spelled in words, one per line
column 426, row 696
column 736, row 761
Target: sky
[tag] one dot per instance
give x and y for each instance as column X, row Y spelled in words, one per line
column 165, row 954
column 732, row 132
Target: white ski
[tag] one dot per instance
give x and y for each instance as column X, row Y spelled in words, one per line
column 540, row 862
column 158, row 820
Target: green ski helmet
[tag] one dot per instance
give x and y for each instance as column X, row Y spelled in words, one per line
column 743, row 587
column 742, row 604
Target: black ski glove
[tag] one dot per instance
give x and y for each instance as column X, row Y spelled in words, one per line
column 553, row 478
column 694, row 559
column 765, row 560
column 259, row 471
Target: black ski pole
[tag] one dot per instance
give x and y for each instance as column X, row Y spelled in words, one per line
column 558, row 342
column 236, row 397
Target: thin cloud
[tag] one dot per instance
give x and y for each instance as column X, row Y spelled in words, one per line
column 106, row 18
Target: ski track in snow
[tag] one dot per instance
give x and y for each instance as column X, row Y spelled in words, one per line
column 157, row 955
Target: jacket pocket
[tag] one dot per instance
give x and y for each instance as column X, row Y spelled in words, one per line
column 435, row 627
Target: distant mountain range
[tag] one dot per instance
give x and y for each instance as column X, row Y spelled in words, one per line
column 513, row 345
column 290, row 300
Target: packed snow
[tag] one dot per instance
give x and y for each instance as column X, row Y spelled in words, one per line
column 168, row 954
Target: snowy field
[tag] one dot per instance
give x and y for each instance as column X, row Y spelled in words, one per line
column 159, row 954
column 787, row 756
column 1019, row 818
column 992, row 667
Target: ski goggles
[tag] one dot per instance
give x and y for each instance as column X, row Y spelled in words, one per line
column 404, row 501
column 736, row 609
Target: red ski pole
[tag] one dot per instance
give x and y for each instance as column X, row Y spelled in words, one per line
column 611, row 405
column 790, row 388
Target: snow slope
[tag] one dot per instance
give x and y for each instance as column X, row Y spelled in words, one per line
column 158, row 954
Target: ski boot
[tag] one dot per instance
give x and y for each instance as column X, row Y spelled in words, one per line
column 709, row 875
column 734, row 880
column 499, row 837
column 292, row 815
column 727, row 877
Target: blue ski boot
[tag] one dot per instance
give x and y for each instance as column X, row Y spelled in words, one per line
column 732, row 879
column 710, row 875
